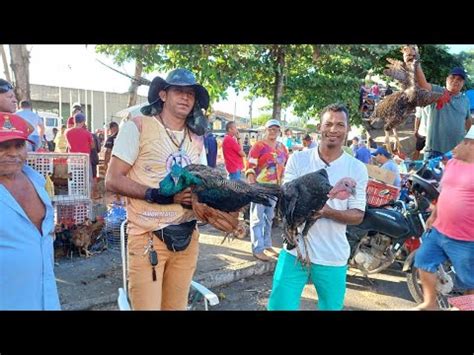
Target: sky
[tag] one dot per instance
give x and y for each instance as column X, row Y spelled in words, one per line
column 76, row 66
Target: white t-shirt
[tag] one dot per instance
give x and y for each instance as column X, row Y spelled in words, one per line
column 327, row 242
column 423, row 114
column 127, row 147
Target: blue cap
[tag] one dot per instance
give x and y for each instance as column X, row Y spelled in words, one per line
column 79, row 118
column 383, row 151
column 458, row 71
column 272, row 123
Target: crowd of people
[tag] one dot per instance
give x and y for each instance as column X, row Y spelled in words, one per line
column 163, row 239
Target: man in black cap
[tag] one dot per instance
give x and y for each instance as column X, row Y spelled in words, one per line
column 163, row 238
column 8, row 101
column 449, row 117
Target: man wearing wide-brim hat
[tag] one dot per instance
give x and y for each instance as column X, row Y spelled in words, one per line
column 450, row 227
column 169, row 132
column 27, row 279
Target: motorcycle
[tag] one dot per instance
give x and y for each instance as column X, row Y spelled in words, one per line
column 387, row 234
column 390, row 233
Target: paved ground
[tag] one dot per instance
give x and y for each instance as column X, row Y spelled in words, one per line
column 229, row 270
column 389, row 292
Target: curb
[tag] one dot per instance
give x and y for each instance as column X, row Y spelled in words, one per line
column 234, row 273
column 210, row 279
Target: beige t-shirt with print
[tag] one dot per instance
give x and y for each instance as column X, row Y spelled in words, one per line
column 151, row 153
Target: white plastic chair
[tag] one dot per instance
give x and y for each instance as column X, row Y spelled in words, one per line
column 197, row 293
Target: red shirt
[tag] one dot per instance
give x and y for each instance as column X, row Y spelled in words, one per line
column 230, row 149
column 455, row 217
column 268, row 162
column 71, row 121
column 79, row 140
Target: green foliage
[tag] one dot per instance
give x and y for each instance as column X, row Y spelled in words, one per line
column 467, row 58
column 311, row 128
column 313, row 75
column 261, row 119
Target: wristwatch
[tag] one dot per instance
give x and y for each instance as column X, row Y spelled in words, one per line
column 148, row 197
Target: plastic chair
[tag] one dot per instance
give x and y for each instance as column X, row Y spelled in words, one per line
column 198, row 292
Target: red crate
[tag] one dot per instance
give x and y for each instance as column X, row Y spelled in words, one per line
column 463, row 303
column 379, row 193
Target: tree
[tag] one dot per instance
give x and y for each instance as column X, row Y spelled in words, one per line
column 305, row 77
column 142, row 54
column 5, row 64
column 467, row 60
column 20, row 62
column 261, row 119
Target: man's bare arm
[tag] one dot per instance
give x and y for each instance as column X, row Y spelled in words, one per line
column 118, row 182
column 107, row 155
column 419, row 75
column 421, row 79
column 352, row 216
column 468, row 124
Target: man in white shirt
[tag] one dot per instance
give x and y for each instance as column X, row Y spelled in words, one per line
column 421, row 124
column 328, row 248
column 36, row 121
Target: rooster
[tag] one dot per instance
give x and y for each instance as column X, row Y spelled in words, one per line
column 84, row 235
column 394, row 109
column 302, row 198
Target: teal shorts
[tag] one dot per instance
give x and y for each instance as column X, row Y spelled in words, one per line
column 290, row 278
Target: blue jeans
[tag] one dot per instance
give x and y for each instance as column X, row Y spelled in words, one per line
column 437, row 248
column 261, row 220
column 291, row 276
column 234, row 176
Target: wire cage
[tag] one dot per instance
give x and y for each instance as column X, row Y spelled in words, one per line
column 113, row 220
column 72, row 211
column 69, row 173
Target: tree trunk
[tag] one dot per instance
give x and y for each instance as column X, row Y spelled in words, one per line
column 132, row 90
column 20, row 63
column 279, row 53
column 316, row 53
column 5, row 64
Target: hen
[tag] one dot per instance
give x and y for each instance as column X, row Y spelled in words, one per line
column 394, row 109
column 302, row 198
column 84, row 235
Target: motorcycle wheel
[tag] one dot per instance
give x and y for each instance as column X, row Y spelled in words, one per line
column 416, row 291
column 414, row 284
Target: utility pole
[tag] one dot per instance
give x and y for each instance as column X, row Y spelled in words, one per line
column 250, row 111
column 5, row 64
column 60, row 103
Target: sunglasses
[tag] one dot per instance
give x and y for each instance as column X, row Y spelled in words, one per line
column 5, row 88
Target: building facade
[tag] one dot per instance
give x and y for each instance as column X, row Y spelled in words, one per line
column 100, row 107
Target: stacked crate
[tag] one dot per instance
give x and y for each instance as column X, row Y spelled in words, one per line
column 70, row 174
